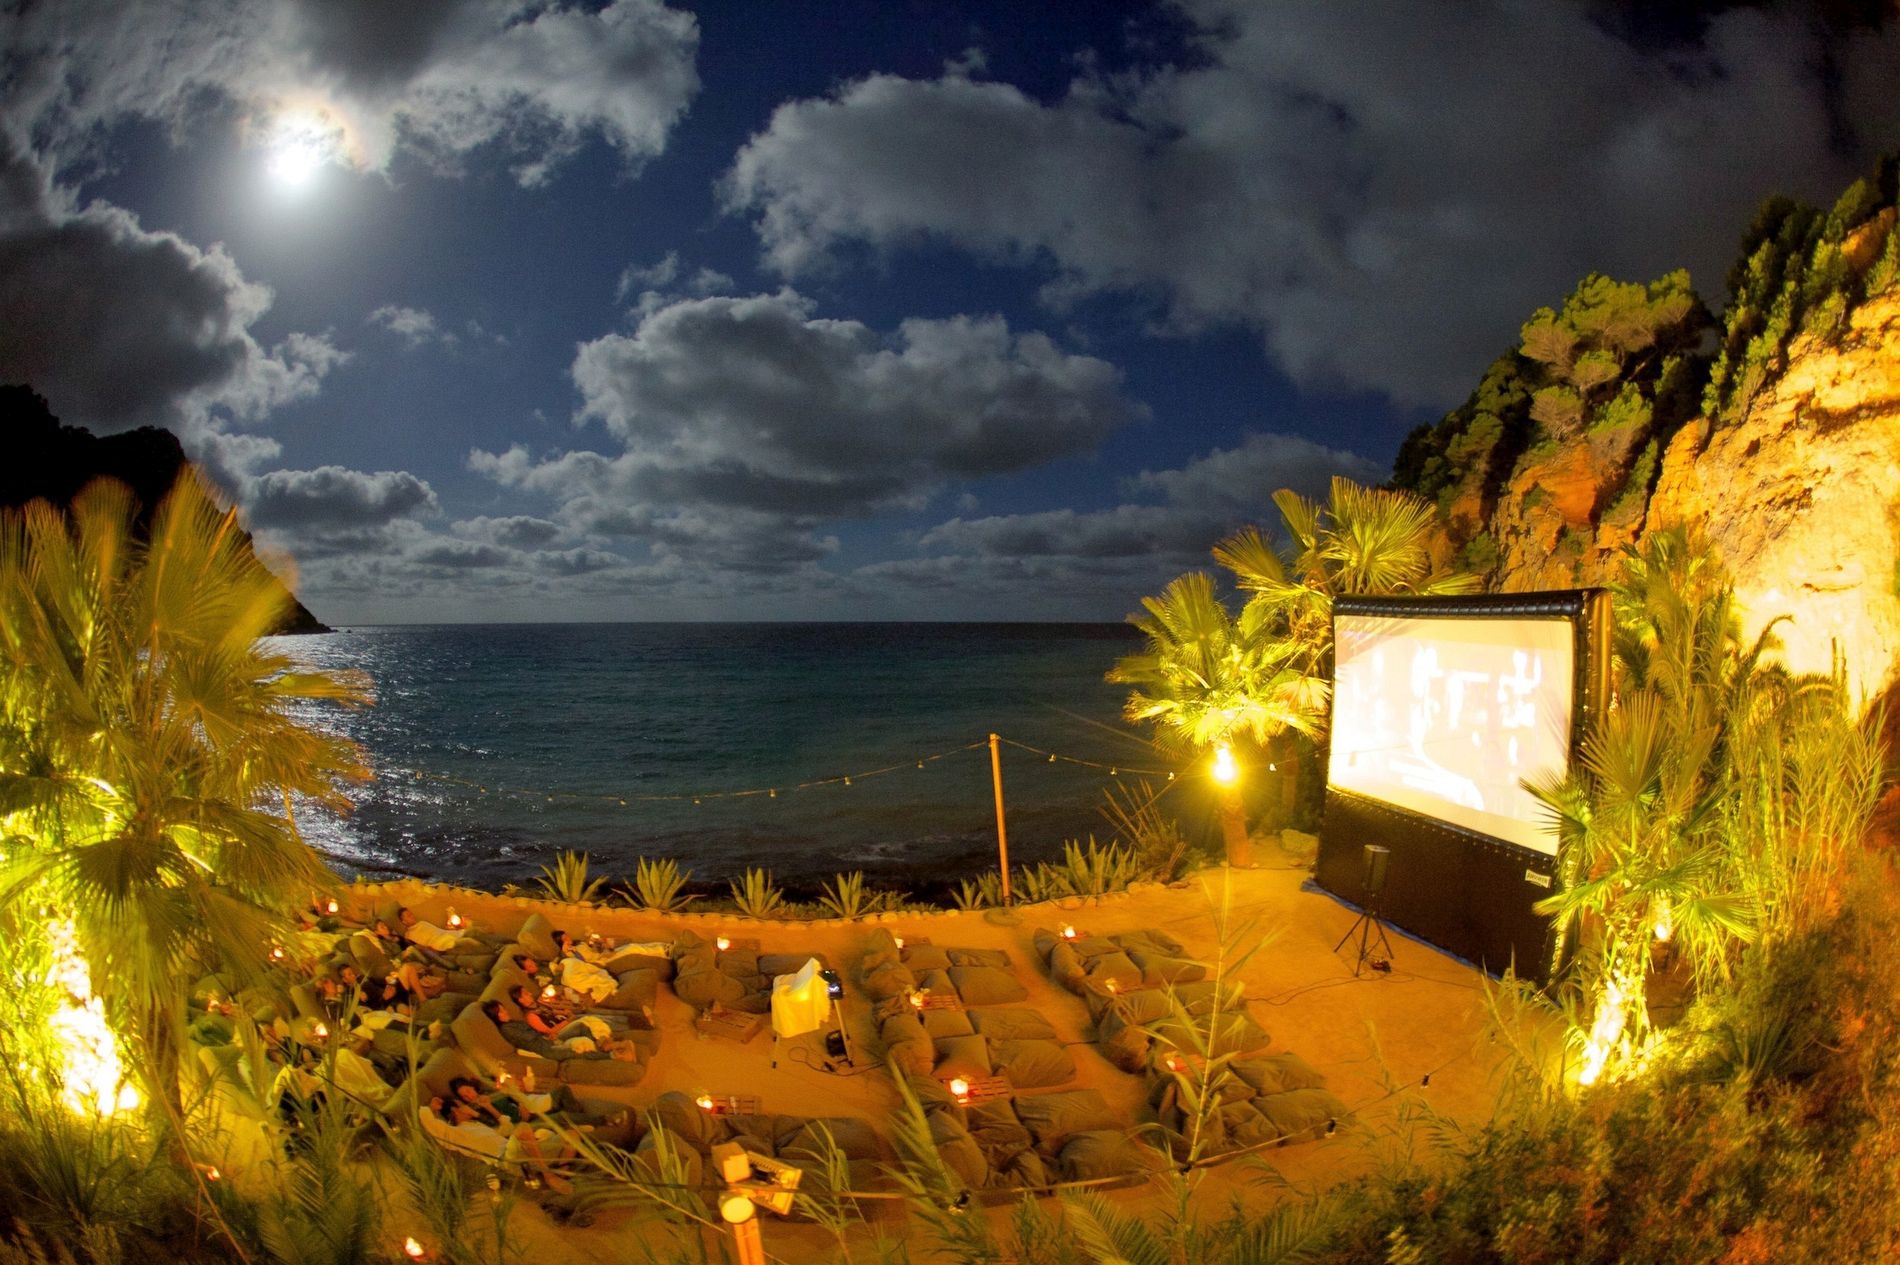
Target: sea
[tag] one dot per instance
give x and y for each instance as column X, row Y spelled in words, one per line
column 806, row 749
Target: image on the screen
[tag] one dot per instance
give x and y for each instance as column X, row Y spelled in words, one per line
column 1446, row 717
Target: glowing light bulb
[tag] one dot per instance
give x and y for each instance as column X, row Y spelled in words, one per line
column 320, row 1031
column 959, row 1087
column 330, row 906
column 1665, row 921
column 1226, row 772
column 276, row 954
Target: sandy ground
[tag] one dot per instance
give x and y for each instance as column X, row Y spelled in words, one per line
column 1376, row 1037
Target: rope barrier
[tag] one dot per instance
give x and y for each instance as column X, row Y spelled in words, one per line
column 771, row 792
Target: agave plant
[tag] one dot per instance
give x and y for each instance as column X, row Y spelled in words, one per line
column 846, row 897
column 567, row 880
column 1159, row 848
column 970, row 895
column 1095, row 871
column 657, row 884
column 757, row 896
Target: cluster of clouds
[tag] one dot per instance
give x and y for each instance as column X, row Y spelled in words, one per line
column 1383, row 195
column 121, row 326
column 1380, row 196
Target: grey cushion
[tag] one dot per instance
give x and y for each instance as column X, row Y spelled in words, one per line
column 1033, row 1064
column 986, row 985
column 1011, row 1023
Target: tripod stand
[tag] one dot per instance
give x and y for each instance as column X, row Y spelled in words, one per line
column 1368, row 924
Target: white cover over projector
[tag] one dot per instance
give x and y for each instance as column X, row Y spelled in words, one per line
column 801, row 1002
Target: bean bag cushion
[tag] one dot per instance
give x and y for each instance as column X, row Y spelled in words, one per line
column 1276, row 1073
column 1055, row 1118
column 490, row 1052
column 1149, row 940
column 757, row 1134
column 934, row 981
column 893, row 979
column 741, row 962
column 1033, row 1064
column 999, row 1137
column 537, row 937
column 946, row 1023
column 701, row 988
column 773, row 965
column 926, row 957
column 1116, row 967
column 1012, row 1023
column 968, row 1057
column 959, row 1151
column 931, row 1094
column 1065, row 967
column 1299, row 1114
column 604, row 1072
column 369, row 954
column 912, row 1057
column 688, row 1121
column 641, row 957
column 755, row 997
column 1089, row 947
column 1127, row 1047
column 986, row 985
column 1026, row 1169
column 901, row 1027
column 646, row 1157
column 1235, row 1034
column 997, row 958
column 853, row 1137
column 1158, row 969
column 1100, row 1153
column 639, row 991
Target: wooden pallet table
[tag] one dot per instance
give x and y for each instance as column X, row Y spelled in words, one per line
column 981, row 1089
column 729, row 1104
column 729, row 1025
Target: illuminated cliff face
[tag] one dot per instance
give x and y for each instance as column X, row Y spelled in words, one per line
column 1802, row 498
column 1801, row 495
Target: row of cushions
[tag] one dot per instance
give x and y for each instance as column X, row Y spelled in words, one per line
column 1277, row 1099
column 1118, row 963
column 737, row 979
column 978, row 977
column 1033, row 1142
column 690, row 1134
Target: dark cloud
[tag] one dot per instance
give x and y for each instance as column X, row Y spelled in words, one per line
column 534, row 78
column 1208, row 498
column 1384, row 197
column 119, row 326
column 519, row 531
column 331, row 497
column 747, row 423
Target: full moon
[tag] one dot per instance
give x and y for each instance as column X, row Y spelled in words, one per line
column 294, row 162
column 299, row 143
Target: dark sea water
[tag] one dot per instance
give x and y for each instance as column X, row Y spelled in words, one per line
column 496, row 746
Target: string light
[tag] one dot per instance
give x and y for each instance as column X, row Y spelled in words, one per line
column 772, row 792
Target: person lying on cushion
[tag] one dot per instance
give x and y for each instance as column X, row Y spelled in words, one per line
column 432, row 937
column 579, row 1046
column 461, row 1123
column 551, row 1023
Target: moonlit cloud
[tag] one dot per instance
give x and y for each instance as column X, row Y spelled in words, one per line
column 333, row 496
column 414, row 326
column 532, row 80
column 1383, row 199
column 744, row 424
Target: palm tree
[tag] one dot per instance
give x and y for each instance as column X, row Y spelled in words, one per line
column 1364, row 542
column 1206, row 678
column 151, row 762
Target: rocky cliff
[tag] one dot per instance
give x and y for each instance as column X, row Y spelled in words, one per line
column 48, row 461
column 1782, row 443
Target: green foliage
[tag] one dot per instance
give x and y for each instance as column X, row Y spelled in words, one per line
column 1160, row 850
column 1634, row 495
column 1476, row 443
column 657, row 885
column 846, row 896
column 1479, row 554
column 1595, row 366
column 1095, row 871
column 982, row 892
column 567, row 881
column 757, row 896
column 1793, row 277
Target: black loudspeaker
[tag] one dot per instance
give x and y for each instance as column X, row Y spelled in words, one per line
column 834, row 1044
column 1378, row 860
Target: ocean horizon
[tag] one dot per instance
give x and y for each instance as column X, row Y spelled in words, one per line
column 807, row 748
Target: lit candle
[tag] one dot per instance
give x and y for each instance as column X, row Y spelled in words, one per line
column 455, row 919
column 723, row 943
column 959, row 1087
column 412, row 1249
column 1112, row 985
column 548, row 992
column 276, row 954
column 705, row 1102
column 320, row 1031
column 330, row 906
column 900, row 941
column 1068, row 933
column 917, row 1000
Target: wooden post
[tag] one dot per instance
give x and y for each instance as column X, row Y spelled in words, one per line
column 1002, row 834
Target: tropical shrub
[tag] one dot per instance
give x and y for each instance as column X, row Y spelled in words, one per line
column 846, row 896
column 757, row 896
column 657, row 885
column 567, row 880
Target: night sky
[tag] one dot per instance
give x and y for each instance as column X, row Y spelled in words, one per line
column 840, row 310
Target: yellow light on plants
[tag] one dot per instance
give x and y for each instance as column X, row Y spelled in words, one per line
column 1665, row 921
column 92, row 1078
column 1226, row 771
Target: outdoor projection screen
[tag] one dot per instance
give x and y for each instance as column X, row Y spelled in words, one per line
column 1447, row 717
column 1442, row 708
